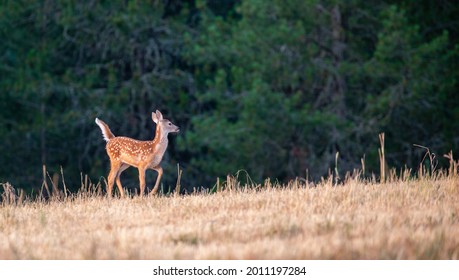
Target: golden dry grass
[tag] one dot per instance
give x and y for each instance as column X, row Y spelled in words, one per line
column 413, row 219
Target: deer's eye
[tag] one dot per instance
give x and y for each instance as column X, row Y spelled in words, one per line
column 170, row 124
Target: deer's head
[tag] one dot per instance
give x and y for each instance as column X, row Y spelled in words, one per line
column 165, row 125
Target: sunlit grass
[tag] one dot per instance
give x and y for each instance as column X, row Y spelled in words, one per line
column 357, row 219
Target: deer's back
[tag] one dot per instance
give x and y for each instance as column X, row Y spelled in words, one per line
column 129, row 150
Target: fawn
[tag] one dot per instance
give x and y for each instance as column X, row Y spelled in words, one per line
column 124, row 152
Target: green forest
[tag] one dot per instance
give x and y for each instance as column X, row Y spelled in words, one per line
column 276, row 88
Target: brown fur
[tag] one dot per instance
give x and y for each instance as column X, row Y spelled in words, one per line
column 124, row 152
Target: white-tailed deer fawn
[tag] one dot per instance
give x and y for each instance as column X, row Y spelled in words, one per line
column 124, row 152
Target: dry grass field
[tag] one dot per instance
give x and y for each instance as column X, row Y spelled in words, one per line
column 402, row 219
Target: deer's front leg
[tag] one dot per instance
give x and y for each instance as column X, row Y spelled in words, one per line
column 159, row 169
column 142, row 180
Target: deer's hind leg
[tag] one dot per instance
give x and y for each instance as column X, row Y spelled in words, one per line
column 114, row 169
column 123, row 167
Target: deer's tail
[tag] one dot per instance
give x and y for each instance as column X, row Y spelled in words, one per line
column 106, row 133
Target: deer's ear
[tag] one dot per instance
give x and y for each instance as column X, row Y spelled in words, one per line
column 154, row 117
column 159, row 115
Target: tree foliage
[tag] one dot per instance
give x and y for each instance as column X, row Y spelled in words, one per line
column 66, row 62
column 276, row 89
column 294, row 82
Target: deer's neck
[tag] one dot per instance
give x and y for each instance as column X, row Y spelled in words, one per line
column 160, row 142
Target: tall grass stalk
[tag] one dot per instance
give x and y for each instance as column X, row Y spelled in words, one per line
column 432, row 164
column 177, row 185
column 382, row 159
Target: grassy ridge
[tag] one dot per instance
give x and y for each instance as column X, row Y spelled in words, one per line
column 399, row 219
